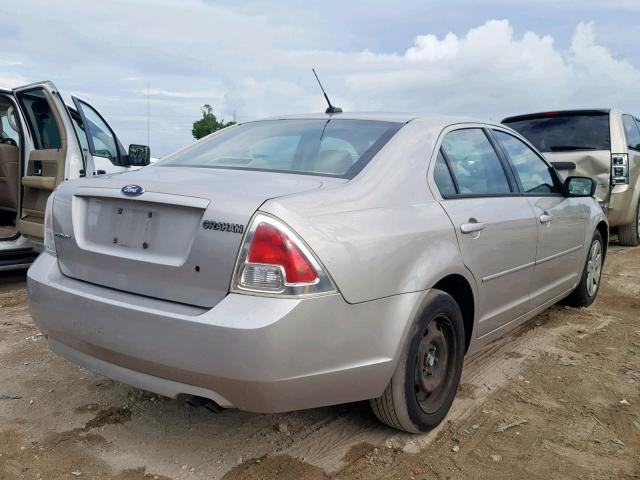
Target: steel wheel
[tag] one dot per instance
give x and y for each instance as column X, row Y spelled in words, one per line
column 594, row 268
column 426, row 379
column 434, row 362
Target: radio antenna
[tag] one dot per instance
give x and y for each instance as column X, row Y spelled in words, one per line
column 330, row 108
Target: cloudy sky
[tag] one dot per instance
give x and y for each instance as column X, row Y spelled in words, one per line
column 254, row 58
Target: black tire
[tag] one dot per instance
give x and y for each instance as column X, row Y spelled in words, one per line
column 427, row 377
column 584, row 294
column 629, row 235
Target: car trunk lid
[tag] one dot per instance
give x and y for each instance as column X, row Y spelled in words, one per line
column 178, row 240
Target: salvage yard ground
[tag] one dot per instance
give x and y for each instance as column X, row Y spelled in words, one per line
column 560, row 398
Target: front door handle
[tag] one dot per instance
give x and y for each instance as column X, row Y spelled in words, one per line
column 471, row 227
column 545, row 218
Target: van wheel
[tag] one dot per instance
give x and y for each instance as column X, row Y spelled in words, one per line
column 426, row 379
column 587, row 290
column 629, row 235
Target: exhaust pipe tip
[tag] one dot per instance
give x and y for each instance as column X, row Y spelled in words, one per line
column 197, row 402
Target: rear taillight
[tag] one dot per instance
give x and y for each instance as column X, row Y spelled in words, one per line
column 49, row 238
column 274, row 260
column 619, row 169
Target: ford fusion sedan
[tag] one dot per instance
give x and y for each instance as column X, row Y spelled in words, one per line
column 312, row 260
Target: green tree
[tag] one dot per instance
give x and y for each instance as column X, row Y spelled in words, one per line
column 208, row 123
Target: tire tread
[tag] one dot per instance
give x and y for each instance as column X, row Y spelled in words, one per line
column 628, row 234
column 384, row 409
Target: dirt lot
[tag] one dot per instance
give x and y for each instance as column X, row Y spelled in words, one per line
column 558, row 399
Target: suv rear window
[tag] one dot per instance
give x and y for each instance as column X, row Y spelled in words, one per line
column 563, row 132
column 337, row 148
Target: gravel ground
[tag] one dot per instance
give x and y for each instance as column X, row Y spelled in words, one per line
column 559, row 398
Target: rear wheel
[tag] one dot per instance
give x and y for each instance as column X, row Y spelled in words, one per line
column 587, row 290
column 426, row 379
column 629, row 235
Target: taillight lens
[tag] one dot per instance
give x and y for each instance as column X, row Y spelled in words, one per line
column 619, row 169
column 271, row 246
column 49, row 238
column 274, row 260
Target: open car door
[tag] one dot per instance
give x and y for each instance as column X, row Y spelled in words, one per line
column 105, row 152
column 56, row 154
column 102, row 144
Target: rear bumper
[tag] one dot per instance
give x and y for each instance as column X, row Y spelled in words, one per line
column 255, row 353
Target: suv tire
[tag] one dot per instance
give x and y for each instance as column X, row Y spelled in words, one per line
column 629, row 235
column 427, row 376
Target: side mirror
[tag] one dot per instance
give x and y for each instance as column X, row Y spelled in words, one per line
column 139, row 155
column 580, row 186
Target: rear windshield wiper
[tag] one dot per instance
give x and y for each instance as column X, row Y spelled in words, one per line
column 560, row 148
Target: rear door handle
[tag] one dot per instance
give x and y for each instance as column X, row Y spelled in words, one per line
column 545, row 218
column 471, row 227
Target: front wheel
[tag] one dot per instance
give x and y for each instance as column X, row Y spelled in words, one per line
column 426, row 379
column 586, row 291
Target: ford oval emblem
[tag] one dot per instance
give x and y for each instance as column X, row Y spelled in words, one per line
column 132, row 190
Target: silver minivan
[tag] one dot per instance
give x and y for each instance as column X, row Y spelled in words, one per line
column 311, row 260
column 603, row 144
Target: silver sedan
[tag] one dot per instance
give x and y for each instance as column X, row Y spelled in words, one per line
column 303, row 261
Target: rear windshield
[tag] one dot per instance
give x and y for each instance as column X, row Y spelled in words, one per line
column 337, row 148
column 565, row 132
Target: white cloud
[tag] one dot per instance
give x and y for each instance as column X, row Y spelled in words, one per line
column 488, row 72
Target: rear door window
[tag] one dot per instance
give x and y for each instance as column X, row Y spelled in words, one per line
column 534, row 174
column 474, row 163
column 631, row 132
column 41, row 119
column 564, row 132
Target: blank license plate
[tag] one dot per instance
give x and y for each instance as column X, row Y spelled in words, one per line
column 134, row 227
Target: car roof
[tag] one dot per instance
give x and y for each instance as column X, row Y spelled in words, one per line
column 396, row 117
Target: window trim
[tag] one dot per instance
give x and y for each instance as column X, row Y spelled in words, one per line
column 552, row 171
column 515, row 192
